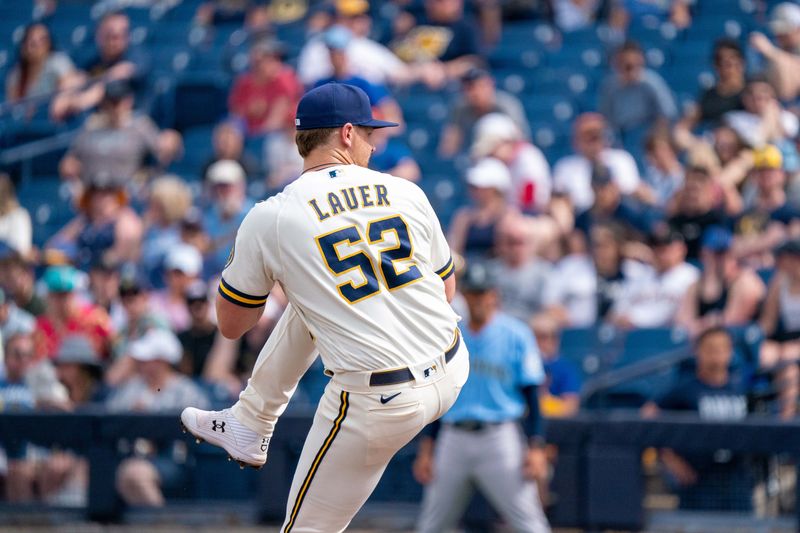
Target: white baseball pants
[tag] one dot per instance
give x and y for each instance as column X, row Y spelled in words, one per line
column 357, row 428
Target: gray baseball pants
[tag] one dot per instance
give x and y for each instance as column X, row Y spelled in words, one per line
column 491, row 459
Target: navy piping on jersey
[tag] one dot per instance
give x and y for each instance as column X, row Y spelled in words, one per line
column 447, row 270
column 240, row 298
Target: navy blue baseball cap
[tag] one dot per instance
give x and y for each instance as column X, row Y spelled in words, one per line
column 717, row 239
column 335, row 104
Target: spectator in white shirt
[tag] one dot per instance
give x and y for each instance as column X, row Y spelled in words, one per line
column 652, row 301
column 763, row 120
column 570, row 294
column 572, row 175
column 496, row 135
column 15, row 222
column 367, row 58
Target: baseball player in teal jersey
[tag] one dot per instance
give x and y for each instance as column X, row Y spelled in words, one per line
column 364, row 263
column 481, row 441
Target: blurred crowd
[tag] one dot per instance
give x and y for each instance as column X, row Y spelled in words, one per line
column 661, row 215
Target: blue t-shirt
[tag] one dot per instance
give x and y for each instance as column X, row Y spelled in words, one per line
column 562, row 377
column 503, row 358
column 728, row 402
column 222, row 234
column 15, row 397
column 375, row 92
column 393, row 153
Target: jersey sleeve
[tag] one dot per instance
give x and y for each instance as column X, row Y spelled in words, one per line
column 248, row 275
column 441, row 259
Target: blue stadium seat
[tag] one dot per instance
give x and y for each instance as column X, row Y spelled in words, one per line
column 592, row 350
column 200, row 99
column 197, row 151
column 46, row 200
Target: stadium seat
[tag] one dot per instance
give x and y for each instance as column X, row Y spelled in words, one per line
column 199, row 100
column 592, row 350
column 641, row 345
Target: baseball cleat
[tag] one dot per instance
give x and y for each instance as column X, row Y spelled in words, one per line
column 222, row 429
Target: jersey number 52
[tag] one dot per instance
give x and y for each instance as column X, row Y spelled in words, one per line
column 360, row 260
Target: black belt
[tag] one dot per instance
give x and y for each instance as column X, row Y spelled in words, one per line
column 401, row 375
column 473, row 425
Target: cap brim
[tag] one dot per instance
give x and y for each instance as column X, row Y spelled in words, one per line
column 374, row 123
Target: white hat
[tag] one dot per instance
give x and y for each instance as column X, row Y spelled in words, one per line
column 785, row 18
column 186, row 258
column 157, row 344
column 225, row 171
column 491, row 131
column 489, row 172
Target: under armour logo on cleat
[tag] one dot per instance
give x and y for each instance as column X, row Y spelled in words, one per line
column 220, row 426
column 387, row 399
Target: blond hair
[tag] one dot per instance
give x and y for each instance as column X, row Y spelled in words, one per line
column 173, row 195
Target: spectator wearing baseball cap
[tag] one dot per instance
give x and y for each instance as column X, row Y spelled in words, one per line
column 117, row 141
column 572, row 175
column 611, row 206
column 727, row 293
column 156, row 387
column 783, row 60
column 229, row 205
column 80, row 369
column 266, row 95
column 182, row 266
column 473, row 230
column 769, row 218
column 496, row 135
column 140, row 318
column 66, row 313
column 198, row 338
column 479, row 97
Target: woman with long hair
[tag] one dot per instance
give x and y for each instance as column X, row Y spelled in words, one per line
column 39, row 70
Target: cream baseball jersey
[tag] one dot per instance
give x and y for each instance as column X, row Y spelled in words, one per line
column 362, row 257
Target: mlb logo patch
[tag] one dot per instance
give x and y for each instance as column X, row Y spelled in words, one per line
column 430, row 371
column 334, row 173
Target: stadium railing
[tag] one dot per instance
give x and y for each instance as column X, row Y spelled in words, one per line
column 598, row 479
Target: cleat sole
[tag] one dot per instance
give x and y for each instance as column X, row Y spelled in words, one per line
column 242, row 464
